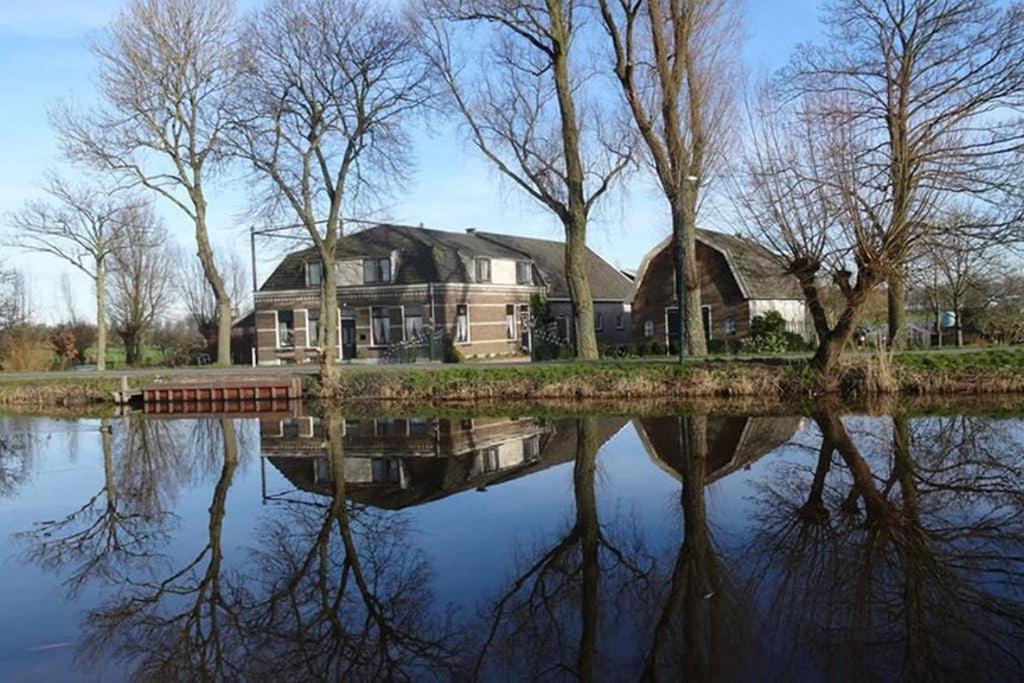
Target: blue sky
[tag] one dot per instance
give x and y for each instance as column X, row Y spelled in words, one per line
column 44, row 59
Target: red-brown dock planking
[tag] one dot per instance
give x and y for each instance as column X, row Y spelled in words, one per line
column 220, row 396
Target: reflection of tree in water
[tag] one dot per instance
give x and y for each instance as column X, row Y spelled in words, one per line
column 16, row 454
column 332, row 591
column 344, row 594
column 120, row 528
column 183, row 626
column 553, row 619
column 906, row 561
column 697, row 633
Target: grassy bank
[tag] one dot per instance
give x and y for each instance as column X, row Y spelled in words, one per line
column 787, row 380
column 62, row 391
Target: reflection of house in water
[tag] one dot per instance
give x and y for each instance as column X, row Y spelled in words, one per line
column 733, row 441
column 396, row 463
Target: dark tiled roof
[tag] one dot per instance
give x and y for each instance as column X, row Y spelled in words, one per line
column 606, row 281
column 424, row 255
column 439, row 256
column 759, row 273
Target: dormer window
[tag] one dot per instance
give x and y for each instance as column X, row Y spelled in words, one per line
column 376, row 270
column 483, row 270
column 314, row 273
column 524, row 273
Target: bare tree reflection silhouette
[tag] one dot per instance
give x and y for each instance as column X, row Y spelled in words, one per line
column 345, row 593
column 121, row 528
column 184, row 626
column 549, row 621
column 926, row 583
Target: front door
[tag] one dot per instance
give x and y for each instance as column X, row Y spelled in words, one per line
column 348, row 338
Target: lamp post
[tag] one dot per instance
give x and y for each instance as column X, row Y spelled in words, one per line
column 681, row 312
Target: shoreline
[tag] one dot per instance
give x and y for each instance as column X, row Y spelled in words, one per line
column 778, row 380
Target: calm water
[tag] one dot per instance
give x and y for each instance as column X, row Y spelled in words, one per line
column 699, row 547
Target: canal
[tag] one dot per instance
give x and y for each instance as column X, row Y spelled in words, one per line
column 701, row 546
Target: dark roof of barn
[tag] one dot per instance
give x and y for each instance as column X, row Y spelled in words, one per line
column 759, row 273
column 440, row 256
column 606, row 281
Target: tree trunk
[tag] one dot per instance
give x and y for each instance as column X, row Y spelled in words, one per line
column 684, row 233
column 131, row 347
column 584, row 473
column 579, row 289
column 575, row 220
column 832, row 429
column 897, row 305
column 213, row 277
column 101, row 316
column 679, row 280
column 328, row 337
column 958, row 313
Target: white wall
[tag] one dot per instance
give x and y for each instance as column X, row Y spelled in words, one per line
column 794, row 312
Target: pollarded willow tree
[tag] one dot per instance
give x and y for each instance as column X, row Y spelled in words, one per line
column 519, row 78
column 80, row 225
column 926, row 90
column 165, row 72
column 678, row 64
column 855, row 159
column 321, row 118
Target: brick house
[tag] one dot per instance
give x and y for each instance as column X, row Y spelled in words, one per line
column 397, row 283
column 739, row 279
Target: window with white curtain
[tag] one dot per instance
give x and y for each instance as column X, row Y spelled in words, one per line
column 380, row 318
column 413, row 322
column 462, row 323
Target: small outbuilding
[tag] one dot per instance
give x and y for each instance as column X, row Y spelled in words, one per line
column 739, row 280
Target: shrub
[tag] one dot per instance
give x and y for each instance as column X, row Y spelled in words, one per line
column 767, row 334
column 25, row 349
column 63, row 343
column 796, row 343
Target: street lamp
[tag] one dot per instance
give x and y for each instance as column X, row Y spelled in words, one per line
column 681, row 313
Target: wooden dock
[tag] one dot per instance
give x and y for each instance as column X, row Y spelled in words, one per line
column 220, row 395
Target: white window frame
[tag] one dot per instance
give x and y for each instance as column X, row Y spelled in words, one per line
column 710, row 333
column 373, row 337
column 277, row 331
column 314, row 263
column 730, row 326
column 598, row 322
column 310, row 340
column 529, row 273
column 649, row 334
column 490, row 276
column 511, row 333
column 376, row 264
column 469, row 325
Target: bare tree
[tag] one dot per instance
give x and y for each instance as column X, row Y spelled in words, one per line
column 926, row 89
column 323, row 103
column 200, row 301
column 678, row 65
column 143, row 282
column 80, row 225
column 13, row 303
column 165, row 71
column 522, row 95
